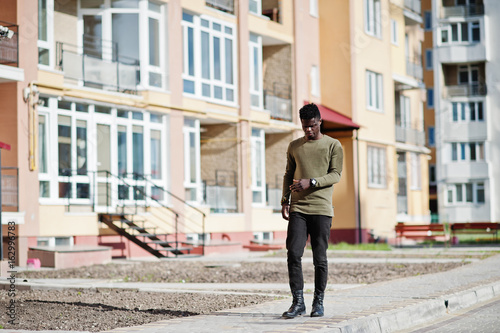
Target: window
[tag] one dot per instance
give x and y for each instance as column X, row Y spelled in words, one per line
column 394, row 32
column 45, row 32
column 376, row 167
column 98, row 151
column 113, row 31
column 430, row 98
column 374, row 91
column 315, row 85
column 416, row 172
column 373, row 18
column 431, row 136
column 465, row 193
column 192, row 171
column 403, row 112
column 463, row 32
column 432, row 174
column 258, row 166
column 255, row 48
column 428, row 59
column 313, row 8
column 209, row 49
column 255, row 6
column 428, row 20
column 467, row 112
column 467, row 151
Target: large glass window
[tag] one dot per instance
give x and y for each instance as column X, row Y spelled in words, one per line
column 111, row 31
column 376, row 167
column 416, row 172
column 258, row 166
column 467, row 151
column 208, row 60
column 462, row 32
column 465, row 193
column 467, row 112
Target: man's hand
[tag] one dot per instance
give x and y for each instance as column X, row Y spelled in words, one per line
column 300, row 185
column 285, row 211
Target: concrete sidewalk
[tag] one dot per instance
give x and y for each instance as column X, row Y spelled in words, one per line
column 381, row 307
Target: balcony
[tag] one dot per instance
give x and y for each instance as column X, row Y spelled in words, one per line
column 462, row 11
column 223, row 5
column 9, row 47
column 465, row 90
column 461, row 53
column 278, row 102
column 98, row 65
column 414, row 68
column 414, row 5
column 413, row 12
column 410, row 135
column 461, row 170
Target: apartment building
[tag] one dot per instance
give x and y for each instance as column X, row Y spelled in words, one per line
column 376, row 80
column 465, row 61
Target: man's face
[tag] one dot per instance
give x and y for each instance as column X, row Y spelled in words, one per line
column 311, row 128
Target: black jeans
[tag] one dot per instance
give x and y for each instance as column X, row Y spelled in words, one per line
column 299, row 227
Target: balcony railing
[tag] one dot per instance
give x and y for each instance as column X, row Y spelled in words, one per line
column 99, row 65
column 414, row 68
column 462, row 11
column 278, row 101
column 414, row 5
column 410, row 135
column 221, row 194
column 465, row 90
column 224, row 5
column 9, row 47
column 10, row 189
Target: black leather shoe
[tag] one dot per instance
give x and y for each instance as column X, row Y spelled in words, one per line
column 317, row 306
column 298, row 307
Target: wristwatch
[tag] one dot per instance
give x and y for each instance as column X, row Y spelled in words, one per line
column 313, row 182
column 284, row 201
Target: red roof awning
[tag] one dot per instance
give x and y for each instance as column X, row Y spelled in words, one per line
column 332, row 120
column 4, row 146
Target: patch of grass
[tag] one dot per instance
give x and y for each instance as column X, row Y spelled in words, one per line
column 360, row 247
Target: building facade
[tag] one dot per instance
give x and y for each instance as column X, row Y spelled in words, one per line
column 465, row 99
column 176, row 115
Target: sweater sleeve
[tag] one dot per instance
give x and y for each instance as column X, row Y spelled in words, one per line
column 335, row 168
column 289, row 172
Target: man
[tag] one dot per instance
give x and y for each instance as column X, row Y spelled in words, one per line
column 314, row 164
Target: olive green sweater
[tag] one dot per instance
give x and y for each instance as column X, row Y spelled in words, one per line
column 319, row 159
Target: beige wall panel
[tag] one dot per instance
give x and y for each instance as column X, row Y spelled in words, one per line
column 276, row 147
column 277, row 66
column 65, row 23
column 263, row 219
column 225, row 223
column 335, row 55
column 54, row 221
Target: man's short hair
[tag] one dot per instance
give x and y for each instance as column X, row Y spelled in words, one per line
column 309, row 111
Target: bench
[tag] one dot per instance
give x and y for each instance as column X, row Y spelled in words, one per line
column 421, row 232
column 473, row 228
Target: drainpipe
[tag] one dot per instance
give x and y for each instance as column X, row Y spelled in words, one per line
column 358, row 200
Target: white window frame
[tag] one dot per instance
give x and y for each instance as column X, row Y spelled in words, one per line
column 461, row 111
column 457, row 194
column 394, row 32
column 416, row 172
column 197, row 78
column 377, row 167
column 93, row 120
column 258, row 139
column 256, row 82
column 315, row 81
column 313, row 8
column 144, row 13
column 373, row 26
column 192, row 126
column 447, row 31
column 49, row 43
column 374, row 91
column 257, row 5
column 462, row 151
